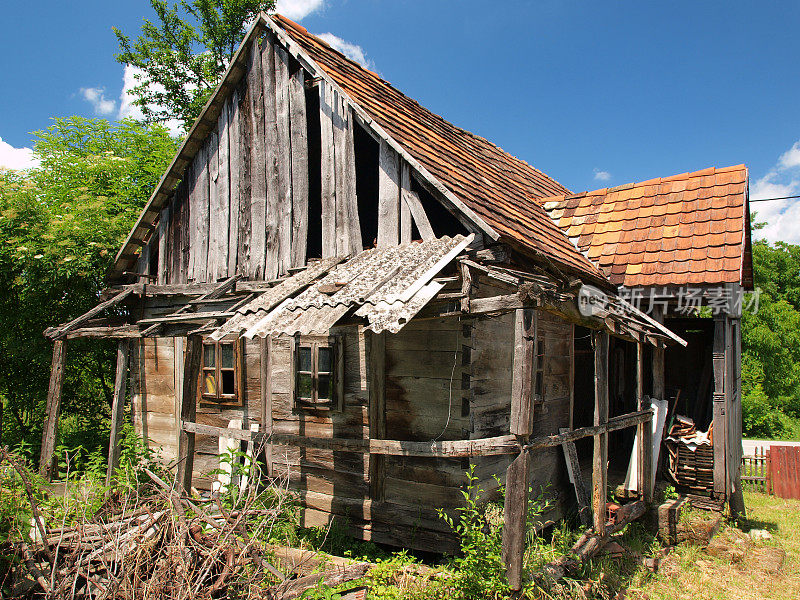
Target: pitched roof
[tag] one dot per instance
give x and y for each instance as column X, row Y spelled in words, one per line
column 501, row 189
column 691, row 228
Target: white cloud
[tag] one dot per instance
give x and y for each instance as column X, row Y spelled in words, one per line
column 97, row 98
column 129, row 110
column 601, row 175
column 16, row 158
column 351, row 51
column 781, row 216
column 297, row 9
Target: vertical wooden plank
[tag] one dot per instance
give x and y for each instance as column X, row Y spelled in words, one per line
column 515, row 512
column 46, row 459
column 265, row 345
column 244, row 265
column 600, row 458
column 234, row 158
column 377, row 412
column 522, row 375
column 299, row 145
column 191, row 374
column 283, row 215
column 572, row 377
column 719, row 405
column 214, row 232
column 219, row 200
column 405, row 209
column 339, row 114
column 659, row 390
column 328, row 170
column 349, row 173
column 198, row 214
column 258, row 161
column 163, row 245
column 410, row 201
column 182, row 273
column 644, row 433
column 271, row 259
column 117, row 409
column 388, row 197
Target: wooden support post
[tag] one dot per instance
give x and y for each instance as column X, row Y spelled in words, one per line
column 46, row 460
column 515, row 511
column 191, row 372
column 266, row 399
column 600, row 462
column 117, row 409
column 659, row 389
column 377, row 412
column 644, row 433
column 522, row 382
column 576, row 478
column 719, row 405
column 515, row 508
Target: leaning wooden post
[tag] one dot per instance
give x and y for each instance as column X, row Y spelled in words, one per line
column 377, row 413
column 644, row 433
column 600, row 462
column 117, row 409
column 191, row 373
column 515, row 507
column 47, row 460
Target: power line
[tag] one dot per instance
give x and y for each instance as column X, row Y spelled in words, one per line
column 771, row 199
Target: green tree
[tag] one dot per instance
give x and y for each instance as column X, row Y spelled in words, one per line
column 771, row 342
column 61, row 225
column 185, row 52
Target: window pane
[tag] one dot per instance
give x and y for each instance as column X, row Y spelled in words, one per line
column 304, row 386
column 304, row 358
column 209, row 383
column 209, row 358
column 228, row 387
column 324, row 389
column 324, row 358
column 226, row 356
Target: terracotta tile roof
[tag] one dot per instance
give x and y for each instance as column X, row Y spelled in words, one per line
column 501, row 189
column 686, row 229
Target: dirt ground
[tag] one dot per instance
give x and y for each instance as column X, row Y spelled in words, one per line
column 737, row 565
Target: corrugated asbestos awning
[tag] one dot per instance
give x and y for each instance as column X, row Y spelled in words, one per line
column 386, row 286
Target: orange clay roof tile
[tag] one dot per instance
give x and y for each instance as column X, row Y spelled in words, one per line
column 685, row 229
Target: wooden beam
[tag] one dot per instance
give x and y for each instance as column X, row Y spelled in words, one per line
column 515, row 513
column 56, row 332
column 377, row 412
column 644, row 433
column 117, row 409
column 299, row 160
column 105, row 332
column 46, row 459
column 600, row 457
column 266, row 397
column 659, row 390
column 191, row 373
column 494, row 446
column 521, row 423
column 719, row 398
column 576, row 478
column 613, row 424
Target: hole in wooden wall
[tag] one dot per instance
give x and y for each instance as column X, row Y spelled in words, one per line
column 314, row 239
column 366, row 153
column 442, row 220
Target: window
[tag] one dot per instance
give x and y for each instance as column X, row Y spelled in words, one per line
column 220, row 380
column 318, row 373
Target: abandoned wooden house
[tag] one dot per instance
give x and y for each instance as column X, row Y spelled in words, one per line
column 380, row 297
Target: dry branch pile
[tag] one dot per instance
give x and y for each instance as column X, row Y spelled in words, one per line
column 157, row 544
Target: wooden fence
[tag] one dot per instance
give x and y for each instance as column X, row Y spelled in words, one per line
column 774, row 470
column 754, row 471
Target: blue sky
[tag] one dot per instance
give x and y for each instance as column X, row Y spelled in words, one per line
column 594, row 94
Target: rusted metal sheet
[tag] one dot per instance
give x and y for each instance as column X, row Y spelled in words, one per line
column 783, row 466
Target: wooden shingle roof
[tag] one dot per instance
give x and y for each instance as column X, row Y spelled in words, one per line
column 689, row 229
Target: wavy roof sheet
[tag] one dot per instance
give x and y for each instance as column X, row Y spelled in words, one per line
column 689, row 229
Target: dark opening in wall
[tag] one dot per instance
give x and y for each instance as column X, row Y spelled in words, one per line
column 314, row 246
column 366, row 154
column 442, row 220
column 153, row 262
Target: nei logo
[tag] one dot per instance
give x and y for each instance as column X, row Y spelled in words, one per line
column 592, row 302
